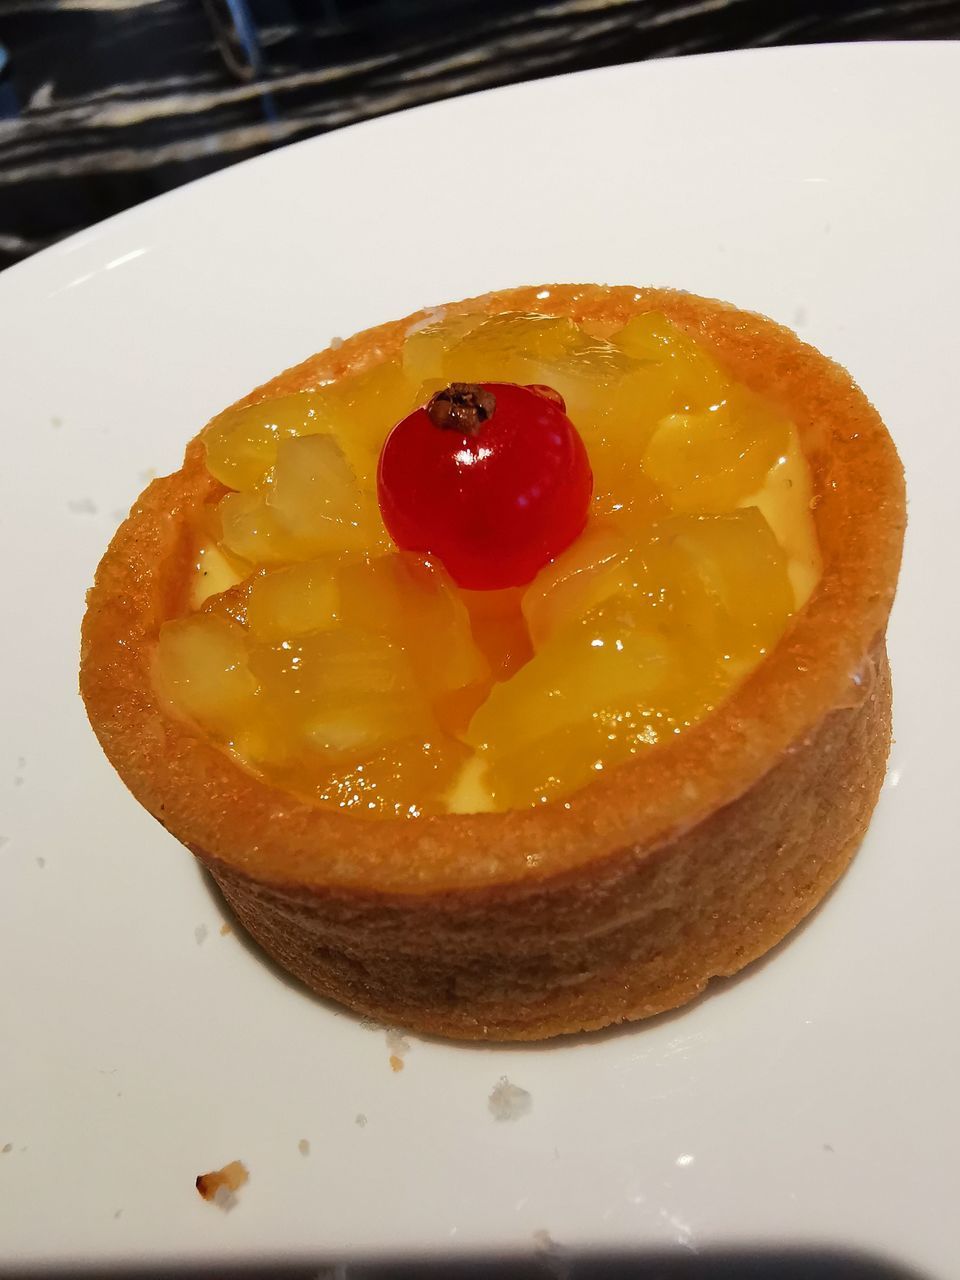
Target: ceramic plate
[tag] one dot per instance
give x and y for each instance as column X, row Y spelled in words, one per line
column 813, row 1100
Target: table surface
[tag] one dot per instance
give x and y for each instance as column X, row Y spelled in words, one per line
column 105, row 105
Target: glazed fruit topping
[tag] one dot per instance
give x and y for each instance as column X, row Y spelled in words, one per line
column 478, row 630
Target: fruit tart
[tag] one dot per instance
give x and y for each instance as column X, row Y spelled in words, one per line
column 517, row 667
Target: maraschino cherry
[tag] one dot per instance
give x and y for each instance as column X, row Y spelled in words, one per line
column 491, row 478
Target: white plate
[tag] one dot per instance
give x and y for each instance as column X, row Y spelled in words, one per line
column 814, row 1100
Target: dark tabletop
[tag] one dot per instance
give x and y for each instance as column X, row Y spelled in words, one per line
column 104, row 103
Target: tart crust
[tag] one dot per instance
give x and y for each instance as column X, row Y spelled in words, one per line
column 677, row 867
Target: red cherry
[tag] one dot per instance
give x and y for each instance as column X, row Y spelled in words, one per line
column 491, row 478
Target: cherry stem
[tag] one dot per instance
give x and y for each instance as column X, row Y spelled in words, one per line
column 463, row 407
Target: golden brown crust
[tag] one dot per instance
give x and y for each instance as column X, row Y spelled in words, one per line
column 534, row 922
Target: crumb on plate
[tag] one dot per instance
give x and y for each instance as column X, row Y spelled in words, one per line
column 508, row 1101
column 221, row 1186
column 398, row 1045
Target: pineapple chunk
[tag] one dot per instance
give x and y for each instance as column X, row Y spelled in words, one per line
column 558, row 763
column 360, row 413
column 291, row 602
column 600, row 690
column 743, row 570
column 342, row 692
column 511, row 347
column 707, row 462
column 412, row 600
column 584, row 575
column 425, row 349
column 326, row 664
column 785, row 502
column 202, row 668
column 252, row 531
column 588, row 373
column 694, row 380
column 242, row 444
column 316, row 499
column 598, row 666
column 667, row 375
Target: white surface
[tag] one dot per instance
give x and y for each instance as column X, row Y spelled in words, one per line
column 813, row 1100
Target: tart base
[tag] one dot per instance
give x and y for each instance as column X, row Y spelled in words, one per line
column 517, row 964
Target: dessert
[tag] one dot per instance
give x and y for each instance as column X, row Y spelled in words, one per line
column 515, row 668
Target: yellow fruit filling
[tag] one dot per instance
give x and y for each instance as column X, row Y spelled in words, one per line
column 363, row 677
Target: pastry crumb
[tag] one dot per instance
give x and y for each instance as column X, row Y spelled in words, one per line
column 398, row 1045
column 118, row 1213
column 544, row 1241
column 221, row 1186
column 200, row 933
column 508, row 1101
column 41, row 863
column 397, row 1041
column 303, row 1146
column 225, row 929
column 361, row 1120
column 7, row 1146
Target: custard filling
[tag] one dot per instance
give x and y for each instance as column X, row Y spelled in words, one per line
column 329, row 662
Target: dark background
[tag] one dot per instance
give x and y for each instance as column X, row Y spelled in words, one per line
column 102, row 106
